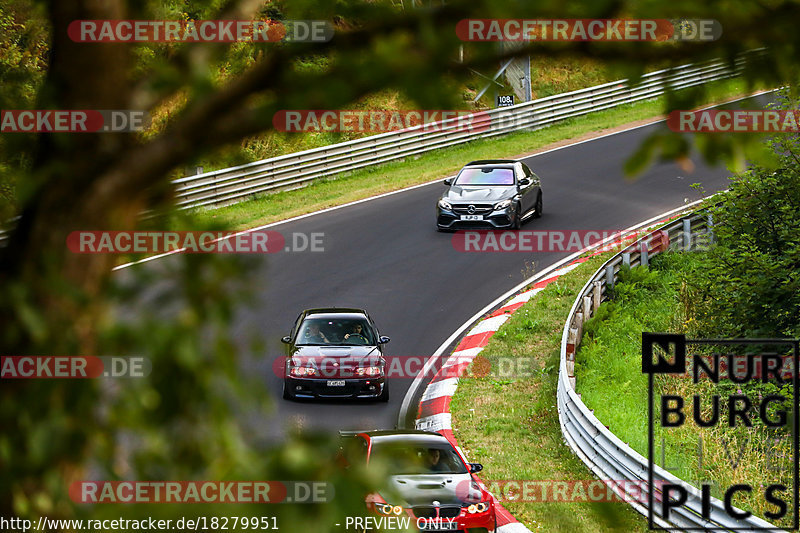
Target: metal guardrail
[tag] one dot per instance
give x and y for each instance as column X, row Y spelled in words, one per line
column 606, row 455
column 232, row 185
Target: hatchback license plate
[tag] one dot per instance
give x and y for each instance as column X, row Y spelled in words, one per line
column 335, row 383
column 471, row 217
column 441, row 525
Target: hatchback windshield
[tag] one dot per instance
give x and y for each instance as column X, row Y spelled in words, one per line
column 410, row 459
column 486, row 176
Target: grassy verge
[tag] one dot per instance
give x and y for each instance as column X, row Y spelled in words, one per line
column 610, row 381
column 552, row 76
column 512, row 427
column 427, row 167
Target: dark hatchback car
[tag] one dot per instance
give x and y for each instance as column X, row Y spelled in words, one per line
column 489, row 194
column 430, row 483
column 335, row 353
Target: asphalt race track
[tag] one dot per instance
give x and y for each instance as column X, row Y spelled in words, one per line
column 386, row 256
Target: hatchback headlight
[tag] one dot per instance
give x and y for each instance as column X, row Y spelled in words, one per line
column 444, row 204
column 478, row 508
column 502, row 205
column 388, row 509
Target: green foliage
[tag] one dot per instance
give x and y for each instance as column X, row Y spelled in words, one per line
column 23, row 60
column 610, row 380
column 197, row 415
column 749, row 284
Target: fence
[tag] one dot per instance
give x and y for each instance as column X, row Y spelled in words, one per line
column 605, row 454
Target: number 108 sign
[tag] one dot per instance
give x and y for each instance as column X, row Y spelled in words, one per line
column 505, row 100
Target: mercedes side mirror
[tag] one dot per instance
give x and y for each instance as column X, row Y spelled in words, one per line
column 286, row 340
column 383, row 339
column 475, row 468
column 448, row 181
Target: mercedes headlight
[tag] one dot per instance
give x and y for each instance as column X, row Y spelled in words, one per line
column 502, row 205
column 444, row 204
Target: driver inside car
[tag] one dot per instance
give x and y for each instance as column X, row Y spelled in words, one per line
column 356, row 331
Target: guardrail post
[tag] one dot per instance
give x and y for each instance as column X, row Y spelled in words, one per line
column 571, row 373
column 587, row 308
column 579, row 328
column 644, row 255
column 687, row 234
column 597, row 293
column 710, row 225
column 626, row 259
column 609, row 275
column 572, row 342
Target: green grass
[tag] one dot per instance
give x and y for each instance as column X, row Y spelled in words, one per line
column 427, row 167
column 610, row 381
column 552, row 76
column 608, row 363
column 510, row 422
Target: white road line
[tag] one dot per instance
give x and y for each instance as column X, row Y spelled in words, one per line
column 440, row 389
column 462, row 356
column 490, row 324
column 436, row 422
column 514, row 527
column 523, row 297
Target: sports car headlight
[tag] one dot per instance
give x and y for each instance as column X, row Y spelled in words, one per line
column 302, row 371
column 502, row 205
column 444, row 204
column 478, row 508
column 388, row 509
column 370, row 371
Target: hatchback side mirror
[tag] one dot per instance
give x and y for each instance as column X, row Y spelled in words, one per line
column 448, row 181
column 286, row 340
column 475, row 467
column 524, row 182
column 383, row 339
